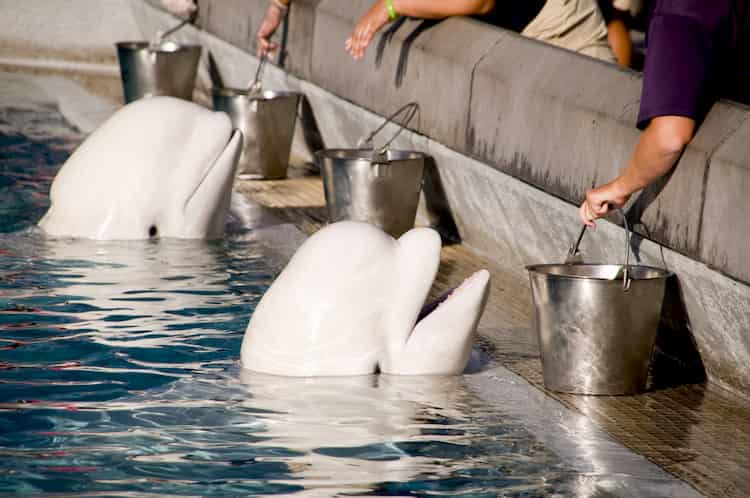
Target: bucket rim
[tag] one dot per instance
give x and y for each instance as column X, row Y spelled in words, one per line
column 170, row 48
column 366, row 154
column 655, row 273
column 226, row 91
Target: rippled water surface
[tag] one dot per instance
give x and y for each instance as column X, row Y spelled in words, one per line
column 119, row 375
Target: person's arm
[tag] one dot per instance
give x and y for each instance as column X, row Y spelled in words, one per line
column 675, row 96
column 275, row 13
column 618, row 37
column 655, row 154
column 378, row 16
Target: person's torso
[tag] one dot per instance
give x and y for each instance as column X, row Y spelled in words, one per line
column 726, row 24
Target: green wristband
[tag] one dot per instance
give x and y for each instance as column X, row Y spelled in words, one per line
column 392, row 14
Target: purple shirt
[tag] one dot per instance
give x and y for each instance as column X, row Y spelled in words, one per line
column 697, row 52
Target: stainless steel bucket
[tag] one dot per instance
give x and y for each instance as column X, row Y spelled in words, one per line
column 383, row 192
column 597, row 324
column 377, row 186
column 267, row 121
column 167, row 69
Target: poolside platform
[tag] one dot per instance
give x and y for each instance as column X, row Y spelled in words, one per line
column 699, row 432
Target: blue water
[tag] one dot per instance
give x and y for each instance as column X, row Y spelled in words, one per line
column 119, row 375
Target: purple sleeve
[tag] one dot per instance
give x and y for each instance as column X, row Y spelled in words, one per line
column 678, row 67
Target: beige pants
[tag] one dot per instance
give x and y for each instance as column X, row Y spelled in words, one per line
column 577, row 25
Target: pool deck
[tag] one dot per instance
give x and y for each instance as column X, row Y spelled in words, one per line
column 697, row 432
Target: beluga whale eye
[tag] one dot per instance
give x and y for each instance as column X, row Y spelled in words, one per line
column 153, row 232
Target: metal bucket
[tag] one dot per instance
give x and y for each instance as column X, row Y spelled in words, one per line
column 267, row 121
column 167, row 69
column 380, row 187
column 384, row 192
column 597, row 324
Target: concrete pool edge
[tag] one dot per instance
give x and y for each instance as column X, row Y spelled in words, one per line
column 580, row 443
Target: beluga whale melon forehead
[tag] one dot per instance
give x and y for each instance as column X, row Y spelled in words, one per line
column 159, row 167
column 349, row 302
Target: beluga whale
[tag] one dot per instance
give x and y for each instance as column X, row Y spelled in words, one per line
column 159, row 167
column 350, row 302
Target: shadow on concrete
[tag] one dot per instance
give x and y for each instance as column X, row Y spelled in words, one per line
column 438, row 209
column 386, row 38
column 283, row 52
column 310, row 129
column 647, row 197
column 676, row 360
column 403, row 57
column 213, row 72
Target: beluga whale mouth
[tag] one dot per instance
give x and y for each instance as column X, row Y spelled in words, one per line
column 351, row 301
column 159, row 167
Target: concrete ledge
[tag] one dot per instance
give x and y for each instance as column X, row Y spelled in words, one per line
column 725, row 235
column 414, row 61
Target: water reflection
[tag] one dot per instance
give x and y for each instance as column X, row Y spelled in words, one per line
column 143, row 312
column 373, row 435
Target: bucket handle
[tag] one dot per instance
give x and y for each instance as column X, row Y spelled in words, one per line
column 160, row 37
column 411, row 109
column 573, row 255
column 256, row 86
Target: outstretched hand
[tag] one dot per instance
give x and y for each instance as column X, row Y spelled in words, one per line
column 600, row 201
column 366, row 29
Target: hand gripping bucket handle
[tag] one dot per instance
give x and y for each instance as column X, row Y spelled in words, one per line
column 573, row 255
column 573, row 251
column 410, row 110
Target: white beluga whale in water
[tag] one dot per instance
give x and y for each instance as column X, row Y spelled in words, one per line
column 159, row 167
column 349, row 302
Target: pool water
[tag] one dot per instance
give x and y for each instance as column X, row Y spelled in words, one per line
column 119, row 375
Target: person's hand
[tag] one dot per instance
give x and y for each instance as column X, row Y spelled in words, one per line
column 365, row 30
column 599, row 201
column 271, row 21
column 182, row 8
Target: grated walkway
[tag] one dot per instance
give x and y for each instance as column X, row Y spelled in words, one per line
column 699, row 433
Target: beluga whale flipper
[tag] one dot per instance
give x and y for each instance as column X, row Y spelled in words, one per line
column 349, row 301
column 159, row 167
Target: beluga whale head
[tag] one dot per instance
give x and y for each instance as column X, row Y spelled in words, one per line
column 159, row 167
column 349, row 303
